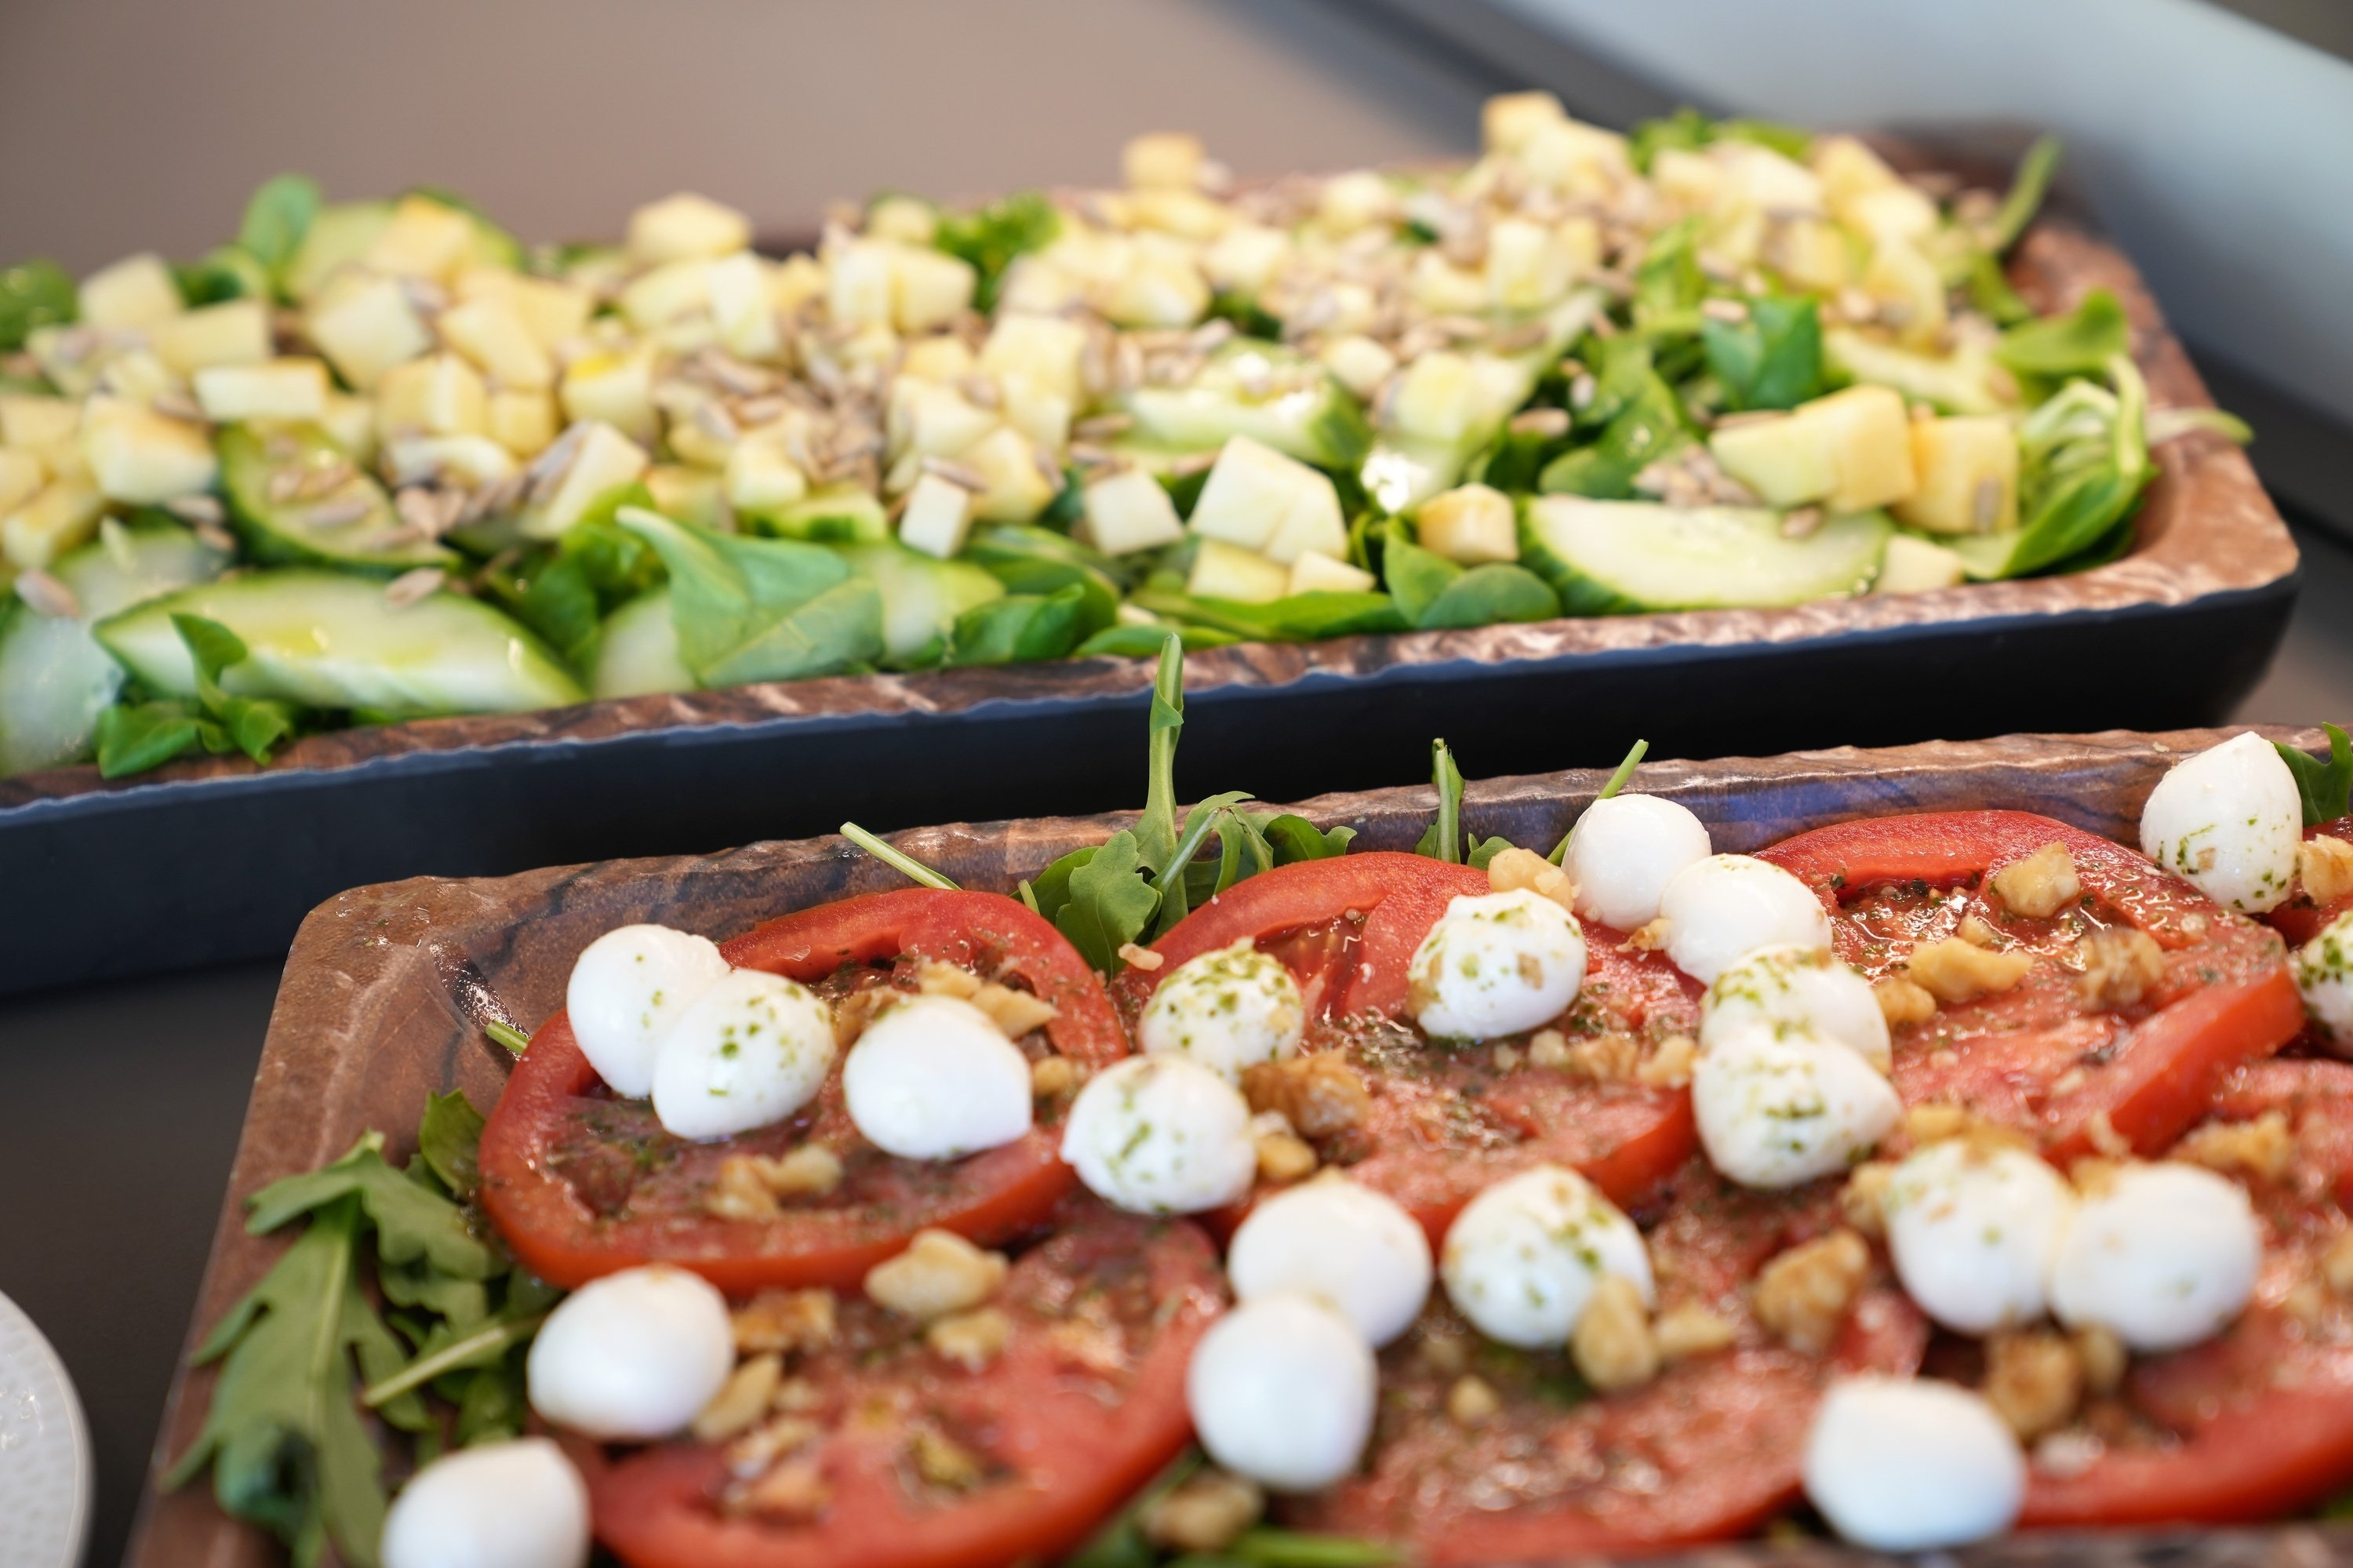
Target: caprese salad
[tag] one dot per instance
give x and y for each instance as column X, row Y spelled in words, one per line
column 1918, row 1179
column 379, row 460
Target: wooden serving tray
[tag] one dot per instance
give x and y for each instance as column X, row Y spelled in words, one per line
column 387, row 988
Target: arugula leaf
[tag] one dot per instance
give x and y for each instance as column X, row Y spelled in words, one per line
column 411, row 1222
column 1039, row 561
column 898, row 859
column 1624, row 774
column 35, row 295
column 278, row 216
column 1773, row 359
column 1110, row 903
column 135, row 736
column 449, row 1138
column 2080, row 343
column 226, row 273
column 1164, row 725
column 1296, row 838
column 1990, row 292
column 992, row 237
column 1436, row 593
column 1687, row 130
column 2027, row 188
column 511, row 1039
column 760, row 610
column 2325, row 787
column 1442, row 840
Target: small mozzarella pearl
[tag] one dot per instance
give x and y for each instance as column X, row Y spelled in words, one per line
column 1161, row 1135
column 1227, row 1010
column 502, row 1505
column 1283, row 1391
column 1774, row 1111
column 753, row 1049
column 633, row 1356
column 2165, row 1255
column 1727, row 905
column 2228, row 820
column 1624, row 851
column 2323, row 975
column 933, row 1078
column 627, row 987
column 1522, row 1259
column 1346, row 1245
column 1974, row 1230
column 1803, row 987
column 1900, row 1466
column 1496, row 964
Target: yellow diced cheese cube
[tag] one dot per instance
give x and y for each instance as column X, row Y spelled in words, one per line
column 521, row 420
column 1909, row 291
column 1315, row 572
column 1912, row 565
column 740, row 307
column 1165, row 160
column 1263, row 501
column 134, row 293
column 1015, row 490
column 493, row 333
column 616, row 388
column 929, row 289
column 694, row 496
column 59, row 517
column 1507, row 120
column 21, row 477
column 365, row 325
column 1968, row 472
column 1230, row 571
column 944, row 357
column 686, row 226
column 1130, row 510
column 426, row 239
column 1043, row 349
column 274, row 390
column 668, row 291
column 762, row 478
column 937, row 518
column 1470, row 524
column 1870, row 438
column 140, row 456
column 606, row 457
column 236, row 333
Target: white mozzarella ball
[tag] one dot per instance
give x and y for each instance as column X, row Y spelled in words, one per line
column 2323, row 975
column 1283, row 1391
column 627, row 987
column 1496, row 964
column 1227, row 1010
column 1341, row 1242
column 1161, row 1135
column 2164, row 1255
column 753, row 1049
column 1776, row 1110
column 2228, row 820
column 1522, row 1259
column 1974, row 1230
column 633, row 1356
column 933, row 1078
column 1902, row 1466
column 1727, row 905
column 1624, row 851
column 502, row 1505
column 1789, row 987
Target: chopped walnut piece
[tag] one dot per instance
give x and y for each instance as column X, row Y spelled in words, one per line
column 1140, row 958
column 938, row 979
column 1052, row 1075
column 2100, row 1133
column 1506, row 1058
column 1284, row 1156
column 1860, row 1199
column 1207, row 1513
column 1648, row 938
column 1902, row 1002
column 1691, row 1329
column 2102, row 1356
column 786, row 1321
column 940, row 1273
column 2337, row 1265
column 2034, row 1381
column 1015, row 1011
column 742, row 1401
column 1514, row 869
column 1318, row 1095
column 1611, row 1345
column 1547, row 1048
column 762, row 1447
column 795, row 1490
column 2039, row 886
column 1472, row 1400
column 1954, row 970
column 1803, row 1295
column 2120, row 966
column 2263, row 1147
column 853, row 1012
column 1974, row 930
column 1669, row 1066
column 1936, row 1121
column 943, row 1462
column 971, row 1339
column 809, row 1172
column 1607, row 1058
column 738, row 1193
column 2326, row 867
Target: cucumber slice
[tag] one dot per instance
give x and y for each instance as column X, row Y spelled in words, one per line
column 1959, row 382
column 353, row 525
column 338, row 236
column 637, row 651
column 1607, row 558
column 55, row 679
column 922, row 596
column 327, row 640
column 1273, row 395
column 837, row 515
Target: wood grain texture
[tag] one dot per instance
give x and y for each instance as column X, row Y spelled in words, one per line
column 2205, row 528
column 387, row 988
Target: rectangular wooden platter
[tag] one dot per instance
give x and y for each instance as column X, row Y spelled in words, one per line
column 214, row 860
column 388, row 987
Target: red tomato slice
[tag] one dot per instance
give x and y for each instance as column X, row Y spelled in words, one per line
column 2033, row 1057
column 1707, row 1451
column 1446, row 1123
column 1084, row 1405
column 581, row 1183
column 2259, row 1420
column 2302, row 917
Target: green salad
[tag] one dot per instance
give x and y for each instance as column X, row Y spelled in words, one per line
column 375, row 460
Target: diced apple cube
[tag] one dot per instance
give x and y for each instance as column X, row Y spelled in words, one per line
column 943, row 357
column 929, row 288
column 738, row 289
column 1258, row 498
column 493, row 333
column 859, row 284
column 21, row 477
column 438, row 395
column 1470, row 524
column 684, row 227
column 911, row 220
column 613, row 388
column 1245, row 257
column 1359, row 363
column 762, row 478
column 59, row 517
column 521, row 420
column 1507, row 120
column 672, row 290
column 33, row 423
column 365, row 326
column 1909, row 290
column 136, row 375
column 1758, row 179
column 794, row 282
column 1574, row 157
column 695, row 495
column 472, row 460
column 134, row 293
column 1786, row 461
column 1229, row 571
column 1315, row 572
column 606, row 457
column 140, row 456
column 1039, row 413
column 1187, row 214
column 1167, row 159
column 1810, row 253
column 1868, row 434
column 1912, row 565
column 690, row 438
column 1352, row 201
column 1035, row 286
column 937, row 518
column 1015, row 490
column 1847, row 168
column 931, row 420
column 1159, row 288
column 1043, row 349
column 1528, row 268
column 426, row 239
column 1894, row 212
column 1967, row 471
column 1438, row 400
column 552, row 311
column 236, row 333
column 274, row 390
column 1443, row 289
column 1690, row 181
column 1129, row 512
column 350, row 422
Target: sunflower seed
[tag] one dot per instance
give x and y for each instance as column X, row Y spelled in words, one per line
column 410, row 586
column 981, row 391
column 339, row 514
column 1802, row 521
column 173, row 404
column 195, row 508
column 962, row 475
column 1549, row 423
column 1582, row 390
column 47, row 596
column 1518, row 339
column 1731, row 310
column 216, row 537
column 1103, row 426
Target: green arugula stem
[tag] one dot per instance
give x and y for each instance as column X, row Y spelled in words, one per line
column 1448, row 780
column 507, row 1034
column 904, row 864
column 453, row 1357
column 1625, row 774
